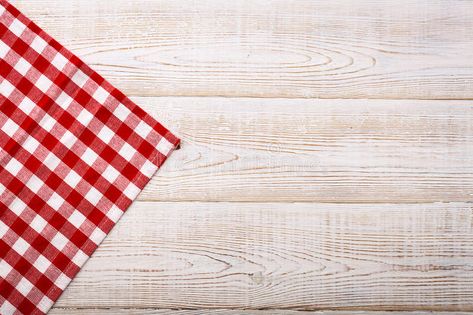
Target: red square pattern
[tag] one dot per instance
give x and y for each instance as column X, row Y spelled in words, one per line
column 74, row 153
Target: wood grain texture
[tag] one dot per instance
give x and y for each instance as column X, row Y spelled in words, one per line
column 315, row 150
column 339, row 204
column 113, row 311
column 273, row 48
column 300, row 256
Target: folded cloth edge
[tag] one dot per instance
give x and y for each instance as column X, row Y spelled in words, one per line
column 157, row 159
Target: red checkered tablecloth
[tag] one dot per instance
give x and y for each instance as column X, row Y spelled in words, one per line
column 74, row 153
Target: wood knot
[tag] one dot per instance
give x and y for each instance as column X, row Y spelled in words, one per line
column 257, row 277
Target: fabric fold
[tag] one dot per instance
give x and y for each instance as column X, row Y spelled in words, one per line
column 74, row 154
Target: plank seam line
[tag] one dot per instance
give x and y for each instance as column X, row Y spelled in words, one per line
column 260, row 309
column 294, row 98
column 309, row 202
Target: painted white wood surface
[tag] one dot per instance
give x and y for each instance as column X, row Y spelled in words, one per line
column 289, row 150
column 271, row 48
column 305, row 196
column 282, row 255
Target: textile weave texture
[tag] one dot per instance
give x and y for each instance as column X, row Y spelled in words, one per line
column 74, row 153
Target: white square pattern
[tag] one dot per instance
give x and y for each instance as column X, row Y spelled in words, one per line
column 59, row 241
column 68, row 139
column 143, row 129
column 31, row 144
column 59, row 61
column 55, row 201
column 21, row 246
column 77, row 218
column 106, row 134
column 14, row 167
column 127, row 151
column 5, row 269
column 97, row 236
column 3, row 229
column 164, row 146
column 131, row 191
column 84, row 117
column 148, row 169
column 24, row 286
column 89, row 156
column 27, row 105
column 45, row 304
column 34, row 184
column 52, row 161
column 121, row 112
column 79, row 78
column 7, row 307
column 110, row 174
column 10, row 127
column 72, row 179
column 17, row 206
column 38, row 223
column 43, row 83
column 17, row 27
column 62, row 281
column 4, row 49
column 64, row 100
column 114, row 213
column 42, row 264
column 38, row 44
column 101, row 95
column 6, row 88
column 47, row 123
column 93, row 196
column 79, row 258
column 22, row 66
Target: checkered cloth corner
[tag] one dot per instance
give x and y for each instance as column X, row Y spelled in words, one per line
column 74, row 153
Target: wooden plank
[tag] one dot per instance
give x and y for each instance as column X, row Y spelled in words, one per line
column 274, row 48
column 113, row 311
column 300, row 256
column 315, row 150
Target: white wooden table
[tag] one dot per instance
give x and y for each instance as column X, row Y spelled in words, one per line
column 327, row 156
